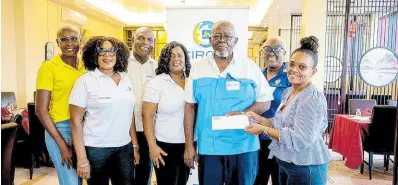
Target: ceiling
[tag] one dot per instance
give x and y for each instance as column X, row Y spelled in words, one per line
column 279, row 14
column 262, row 13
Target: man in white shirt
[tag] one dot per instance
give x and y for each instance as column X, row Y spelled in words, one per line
column 141, row 69
column 220, row 84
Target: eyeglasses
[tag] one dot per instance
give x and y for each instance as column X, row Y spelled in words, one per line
column 67, row 39
column 277, row 50
column 111, row 52
column 301, row 67
column 219, row 37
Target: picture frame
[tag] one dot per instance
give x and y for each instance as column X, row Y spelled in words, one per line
column 49, row 51
column 378, row 67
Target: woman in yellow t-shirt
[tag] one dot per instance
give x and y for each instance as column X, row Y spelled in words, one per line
column 54, row 83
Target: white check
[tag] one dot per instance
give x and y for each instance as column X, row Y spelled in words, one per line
column 230, row 122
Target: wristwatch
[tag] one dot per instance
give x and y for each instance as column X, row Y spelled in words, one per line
column 266, row 130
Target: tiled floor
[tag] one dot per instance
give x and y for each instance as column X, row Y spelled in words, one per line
column 338, row 174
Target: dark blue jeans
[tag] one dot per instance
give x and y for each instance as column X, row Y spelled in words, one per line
column 240, row 169
column 291, row 174
column 114, row 163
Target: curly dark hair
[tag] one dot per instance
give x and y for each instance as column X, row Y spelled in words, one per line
column 90, row 53
column 165, row 57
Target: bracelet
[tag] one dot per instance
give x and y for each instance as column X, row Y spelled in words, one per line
column 136, row 146
column 84, row 165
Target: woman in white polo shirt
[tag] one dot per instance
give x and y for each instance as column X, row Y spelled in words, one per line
column 163, row 115
column 101, row 106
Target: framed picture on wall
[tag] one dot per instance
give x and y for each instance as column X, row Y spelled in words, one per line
column 378, row 67
column 49, row 51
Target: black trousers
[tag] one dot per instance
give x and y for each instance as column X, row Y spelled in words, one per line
column 143, row 170
column 175, row 172
column 267, row 167
column 115, row 163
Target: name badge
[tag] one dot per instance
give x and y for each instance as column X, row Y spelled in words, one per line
column 104, row 99
column 233, row 86
column 148, row 76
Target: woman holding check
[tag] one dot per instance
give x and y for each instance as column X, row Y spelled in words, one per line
column 298, row 125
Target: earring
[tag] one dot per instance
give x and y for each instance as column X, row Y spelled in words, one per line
column 184, row 72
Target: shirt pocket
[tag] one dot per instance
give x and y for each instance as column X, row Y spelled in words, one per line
column 92, row 100
column 203, row 89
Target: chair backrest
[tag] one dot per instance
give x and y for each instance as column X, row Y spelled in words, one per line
column 332, row 98
column 8, row 135
column 382, row 129
column 353, row 95
column 381, row 98
column 392, row 102
column 36, row 130
column 354, row 104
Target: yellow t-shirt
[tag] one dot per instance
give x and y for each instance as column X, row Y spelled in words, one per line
column 58, row 77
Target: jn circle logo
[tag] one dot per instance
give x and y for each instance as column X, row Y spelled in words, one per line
column 202, row 33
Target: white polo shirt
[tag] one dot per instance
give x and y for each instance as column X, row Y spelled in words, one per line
column 169, row 118
column 139, row 75
column 109, row 108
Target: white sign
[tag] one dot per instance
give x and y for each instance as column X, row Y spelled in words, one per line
column 378, row 67
column 191, row 26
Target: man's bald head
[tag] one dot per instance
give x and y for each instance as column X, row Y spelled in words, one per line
column 142, row 30
column 143, row 43
column 275, row 41
column 274, row 50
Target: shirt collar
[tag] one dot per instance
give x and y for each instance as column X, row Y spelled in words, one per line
column 150, row 59
column 167, row 77
column 58, row 60
column 98, row 74
column 213, row 61
column 280, row 72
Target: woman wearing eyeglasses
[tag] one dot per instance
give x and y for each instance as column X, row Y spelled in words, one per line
column 276, row 75
column 101, row 106
column 301, row 119
column 54, row 83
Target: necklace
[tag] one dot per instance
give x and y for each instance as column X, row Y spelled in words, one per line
column 114, row 75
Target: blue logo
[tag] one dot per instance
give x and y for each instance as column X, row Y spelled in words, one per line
column 202, row 33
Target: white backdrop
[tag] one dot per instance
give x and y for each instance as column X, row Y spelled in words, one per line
column 191, row 26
